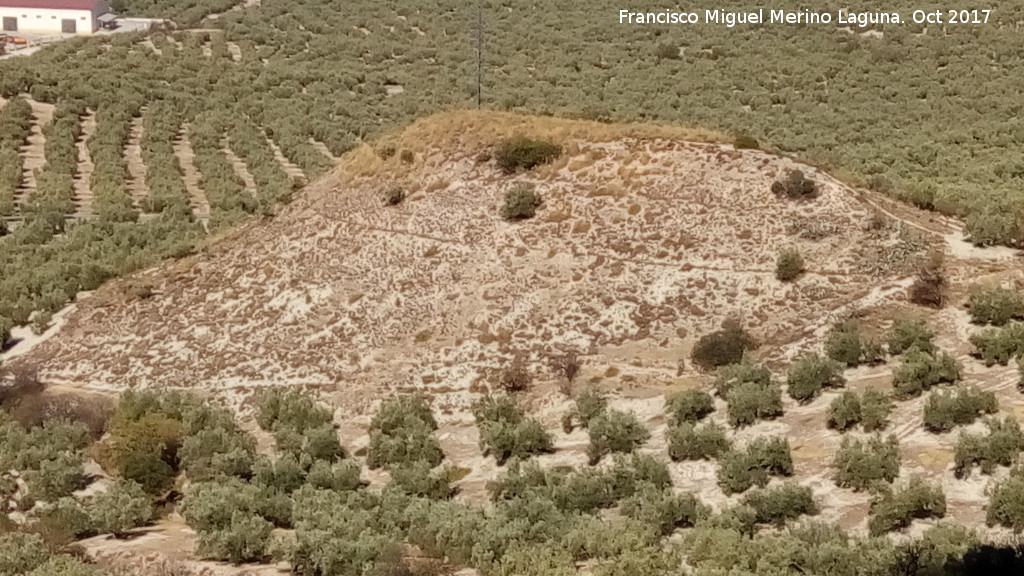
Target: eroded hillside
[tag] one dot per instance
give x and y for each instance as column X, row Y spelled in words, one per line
column 645, row 240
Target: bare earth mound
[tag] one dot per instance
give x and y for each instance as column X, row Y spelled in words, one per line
column 643, row 243
column 646, row 240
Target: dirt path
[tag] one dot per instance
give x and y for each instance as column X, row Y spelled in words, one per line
column 186, row 157
column 286, row 164
column 136, row 167
column 33, row 153
column 240, row 168
column 82, row 197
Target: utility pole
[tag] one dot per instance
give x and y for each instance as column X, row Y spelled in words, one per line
column 479, row 52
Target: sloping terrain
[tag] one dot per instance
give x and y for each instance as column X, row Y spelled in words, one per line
column 644, row 242
column 647, row 239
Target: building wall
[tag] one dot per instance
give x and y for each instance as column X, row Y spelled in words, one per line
column 49, row 21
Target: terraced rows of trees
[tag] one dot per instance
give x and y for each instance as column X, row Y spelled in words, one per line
column 311, row 70
column 623, row 516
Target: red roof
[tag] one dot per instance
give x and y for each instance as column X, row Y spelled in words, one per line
column 50, row 4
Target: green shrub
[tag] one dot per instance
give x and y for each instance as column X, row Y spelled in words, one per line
column 55, row 478
column 861, row 463
column 733, row 375
column 521, row 202
column 284, row 474
column 402, row 432
column 788, row 265
column 895, row 509
column 689, row 442
column 340, row 476
column 664, row 510
column 1000, row 447
column 750, row 402
column 1006, row 505
column 844, row 412
column 946, row 409
column 778, row 504
column 999, row 345
column 810, row 374
column 763, row 458
column 417, row 479
column 689, row 406
column 245, row 539
column 589, row 404
column 746, row 142
column 875, row 407
column 995, row 305
column 21, row 553
column 285, row 408
column 795, row 185
column 920, row 371
column 506, row 432
column 70, row 515
column 118, row 509
column 521, row 153
column 845, row 344
column 394, row 196
column 908, row 333
column 722, row 347
column 63, row 565
column 217, row 451
column 614, row 431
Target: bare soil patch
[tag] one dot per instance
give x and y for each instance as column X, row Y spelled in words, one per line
column 83, row 173
column 190, row 175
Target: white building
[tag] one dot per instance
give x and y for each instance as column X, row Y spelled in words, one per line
column 51, row 16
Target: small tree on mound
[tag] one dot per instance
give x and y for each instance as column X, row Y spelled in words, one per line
column 689, row 406
column 811, row 374
column 589, row 403
column 1000, row 447
column 995, row 305
column 664, row 510
column 123, row 506
column 521, row 202
column 764, row 457
column 781, row 503
column 909, row 333
column 875, row 407
column 998, row 345
column 750, row 402
column 505, row 430
column 946, row 409
column 722, row 347
column 844, row 412
column 789, row 265
column 1006, row 505
column 895, row 509
column 689, row 442
column 929, row 287
column 861, row 463
column 921, row 371
column 845, row 344
column 614, row 431
column 522, row 153
column 732, row 375
column 394, row 196
column 795, row 185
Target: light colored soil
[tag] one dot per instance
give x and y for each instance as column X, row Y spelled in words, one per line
column 235, row 51
column 33, row 153
column 240, row 168
column 136, row 167
column 644, row 242
column 289, row 168
column 186, row 157
column 323, row 149
column 149, row 44
column 83, row 174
